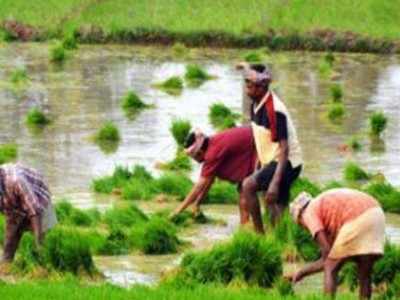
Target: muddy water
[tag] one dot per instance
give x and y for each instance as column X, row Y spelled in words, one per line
column 86, row 92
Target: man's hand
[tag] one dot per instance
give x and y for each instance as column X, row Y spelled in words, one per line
column 272, row 193
column 295, row 277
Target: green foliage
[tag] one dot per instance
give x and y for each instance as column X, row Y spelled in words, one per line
column 223, row 192
column 333, row 185
column 120, row 176
column 174, row 184
column 354, row 144
column 70, row 43
column 336, row 93
column 253, row 57
column 36, row 117
column 180, row 129
column 132, row 103
column 249, row 257
column 284, row 287
column 66, row 250
column 116, row 243
column 69, row 215
column 138, row 189
column 8, row 153
column 353, row 172
column 329, row 58
column 108, row 133
column 181, row 162
column 180, row 49
column 336, row 111
column 304, row 185
column 324, row 68
column 124, row 216
column 196, row 75
column 305, row 244
column 2, row 228
column 377, row 123
column 27, row 256
column 172, row 85
column 157, row 236
column 58, row 54
column 19, row 76
column 387, row 195
column 221, row 117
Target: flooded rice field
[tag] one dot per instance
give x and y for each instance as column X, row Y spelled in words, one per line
column 86, row 91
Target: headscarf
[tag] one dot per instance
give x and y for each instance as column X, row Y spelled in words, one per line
column 196, row 146
column 299, row 204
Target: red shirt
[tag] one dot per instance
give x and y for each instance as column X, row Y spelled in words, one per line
column 230, row 155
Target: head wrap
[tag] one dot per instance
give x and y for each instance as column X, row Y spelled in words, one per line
column 299, row 204
column 195, row 146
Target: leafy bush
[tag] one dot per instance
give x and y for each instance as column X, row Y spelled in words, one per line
column 172, row 85
column 158, row 236
column 8, row 152
column 377, row 123
column 353, row 172
column 249, row 257
column 174, row 184
column 336, row 93
column 124, row 216
column 303, row 185
column 195, row 75
column 108, row 133
column 387, row 195
column 221, row 117
column 223, row 192
column 36, row 117
column 180, row 129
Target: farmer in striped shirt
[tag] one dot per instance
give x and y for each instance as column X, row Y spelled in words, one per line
column 25, row 201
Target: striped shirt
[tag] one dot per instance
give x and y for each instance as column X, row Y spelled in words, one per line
column 25, row 192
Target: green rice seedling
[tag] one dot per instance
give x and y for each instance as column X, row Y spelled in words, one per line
column 19, row 76
column 95, row 238
column 284, row 230
column 108, row 133
column 36, row 117
column 58, row 54
column 223, row 192
column 157, row 236
column 221, row 117
column 140, row 172
column 333, row 185
column 336, row 112
column 116, row 243
column 196, row 75
column 324, row 69
column 69, row 42
column 180, row 49
column 27, row 257
column 304, row 185
column 253, row 57
column 354, row 144
column 2, row 227
column 172, row 85
column 336, row 93
column 353, row 172
column 8, row 153
column 329, row 58
column 180, row 129
column 138, row 189
column 284, row 287
column 387, row 195
column 305, row 245
column 132, row 103
column 247, row 257
column 124, row 216
column 377, row 123
column 348, row 275
column 174, row 184
column 181, row 162
column 66, row 250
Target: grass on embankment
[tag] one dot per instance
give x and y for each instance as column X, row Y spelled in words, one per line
column 287, row 25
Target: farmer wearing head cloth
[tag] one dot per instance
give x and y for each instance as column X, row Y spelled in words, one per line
column 279, row 159
column 228, row 155
column 348, row 225
column 25, row 201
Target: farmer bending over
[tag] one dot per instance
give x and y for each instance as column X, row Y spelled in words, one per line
column 278, row 149
column 26, row 203
column 228, row 155
column 348, row 225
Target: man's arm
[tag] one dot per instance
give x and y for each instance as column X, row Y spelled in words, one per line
column 318, row 265
column 197, row 193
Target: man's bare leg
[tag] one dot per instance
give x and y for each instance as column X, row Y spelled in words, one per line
column 331, row 270
column 250, row 194
column 365, row 264
column 14, row 230
column 243, row 209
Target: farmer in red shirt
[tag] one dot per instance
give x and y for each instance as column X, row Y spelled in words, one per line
column 229, row 155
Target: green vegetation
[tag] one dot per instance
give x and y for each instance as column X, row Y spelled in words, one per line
column 336, row 93
column 377, row 123
column 304, row 184
column 108, row 133
column 120, row 175
column 336, row 112
column 221, row 117
column 180, row 49
column 354, row 144
column 58, row 54
column 223, row 192
column 69, row 215
column 174, row 184
column 329, row 58
column 180, row 129
column 387, row 195
column 70, row 43
column 195, row 75
column 8, row 153
column 132, row 103
column 181, row 162
column 248, row 257
column 253, row 57
column 353, row 172
column 124, row 216
column 172, row 85
column 19, row 76
column 36, row 117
